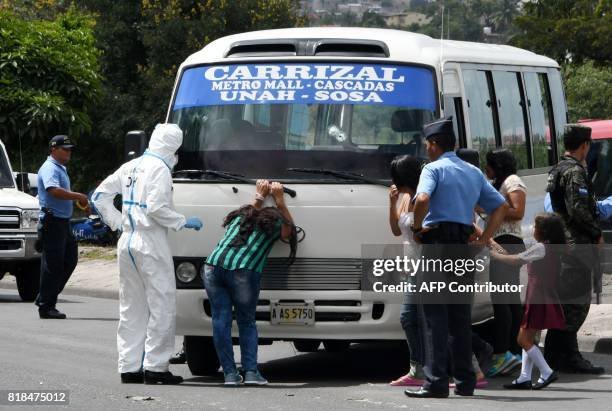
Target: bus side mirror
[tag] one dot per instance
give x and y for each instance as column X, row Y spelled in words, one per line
column 135, row 144
column 23, row 182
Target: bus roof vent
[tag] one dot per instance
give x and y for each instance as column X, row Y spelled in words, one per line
column 351, row 48
column 262, row 48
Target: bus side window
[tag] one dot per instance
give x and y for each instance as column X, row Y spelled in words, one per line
column 480, row 112
column 453, row 107
column 559, row 108
column 511, row 116
column 540, row 113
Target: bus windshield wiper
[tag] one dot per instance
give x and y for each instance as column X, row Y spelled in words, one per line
column 229, row 176
column 217, row 173
column 342, row 174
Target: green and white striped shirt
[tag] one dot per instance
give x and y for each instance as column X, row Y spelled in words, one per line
column 251, row 255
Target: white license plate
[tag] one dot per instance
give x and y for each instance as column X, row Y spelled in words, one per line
column 292, row 314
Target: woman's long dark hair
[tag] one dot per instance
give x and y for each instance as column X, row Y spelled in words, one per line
column 405, row 171
column 263, row 220
column 503, row 164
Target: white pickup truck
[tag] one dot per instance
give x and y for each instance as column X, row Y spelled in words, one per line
column 18, row 232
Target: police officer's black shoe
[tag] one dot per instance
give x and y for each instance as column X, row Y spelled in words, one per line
column 166, row 378
column 132, row 377
column 426, row 393
column 178, row 358
column 51, row 313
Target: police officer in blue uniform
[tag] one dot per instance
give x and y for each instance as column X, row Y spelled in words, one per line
column 59, row 247
column 449, row 189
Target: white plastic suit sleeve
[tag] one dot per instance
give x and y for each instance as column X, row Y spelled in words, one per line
column 159, row 201
column 103, row 199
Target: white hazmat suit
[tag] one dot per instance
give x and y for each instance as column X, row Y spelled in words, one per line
column 147, row 288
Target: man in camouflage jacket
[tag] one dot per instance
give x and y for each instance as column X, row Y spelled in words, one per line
column 572, row 197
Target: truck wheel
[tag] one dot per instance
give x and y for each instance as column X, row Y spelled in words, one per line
column 28, row 280
column 307, row 345
column 336, row 345
column 201, row 355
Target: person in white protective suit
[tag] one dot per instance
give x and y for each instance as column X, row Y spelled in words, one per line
column 147, row 300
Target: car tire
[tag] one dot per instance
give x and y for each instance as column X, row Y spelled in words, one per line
column 28, row 280
column 307, row 345
column 201, row 355
column 336, row 345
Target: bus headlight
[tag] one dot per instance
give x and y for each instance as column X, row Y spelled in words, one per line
column 186, row 272
column 29, row 218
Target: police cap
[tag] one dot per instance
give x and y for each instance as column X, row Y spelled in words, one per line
column 441, row 131
column 61, row 141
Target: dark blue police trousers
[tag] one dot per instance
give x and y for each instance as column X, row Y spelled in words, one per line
column 59, row 259
column 448, row 326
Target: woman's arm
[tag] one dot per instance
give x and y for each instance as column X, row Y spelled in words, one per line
column 516, row 200
column 262, row 188
column 279, row 196
column 507, row 258
column 394, row 213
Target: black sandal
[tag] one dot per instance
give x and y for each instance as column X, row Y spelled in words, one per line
column 525, row 385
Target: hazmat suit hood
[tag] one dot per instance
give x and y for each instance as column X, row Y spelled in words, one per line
column 165, row 141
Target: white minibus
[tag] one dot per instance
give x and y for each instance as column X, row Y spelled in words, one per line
column 324, row 111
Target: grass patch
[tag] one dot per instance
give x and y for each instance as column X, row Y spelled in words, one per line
column 98, row 253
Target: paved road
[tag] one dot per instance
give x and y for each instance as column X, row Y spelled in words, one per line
column 79, row 355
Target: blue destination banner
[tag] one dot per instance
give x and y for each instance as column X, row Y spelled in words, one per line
column 316, row 83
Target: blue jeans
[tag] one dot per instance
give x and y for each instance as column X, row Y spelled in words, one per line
column 409, row 318
column 239, row 289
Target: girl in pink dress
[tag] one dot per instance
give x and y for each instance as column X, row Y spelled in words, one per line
column 542, row 308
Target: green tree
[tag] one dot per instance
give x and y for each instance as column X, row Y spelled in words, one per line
column 140, row 45
column 465, row 20
column 50, row 79
column 462, row 20
column 588, row 90
column 174, row 29
column 567, row 30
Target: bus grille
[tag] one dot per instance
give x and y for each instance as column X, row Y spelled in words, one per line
column 9, row 219
column 312, row 274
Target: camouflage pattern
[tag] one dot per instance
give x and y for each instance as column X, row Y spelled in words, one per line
column 571, row 195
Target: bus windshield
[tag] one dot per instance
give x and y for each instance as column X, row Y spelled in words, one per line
column 261, row 120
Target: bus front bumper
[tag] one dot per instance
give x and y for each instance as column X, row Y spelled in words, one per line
column 341, row 315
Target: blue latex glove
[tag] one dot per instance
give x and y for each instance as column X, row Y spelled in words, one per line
column 194, row 223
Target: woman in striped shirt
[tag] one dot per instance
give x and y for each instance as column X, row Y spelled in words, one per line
column 233, row 273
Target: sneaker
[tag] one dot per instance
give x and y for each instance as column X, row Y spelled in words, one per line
column 500, row 363
column 407, row 381
column 516, row 361
column 232, row 378
column 254, row 378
